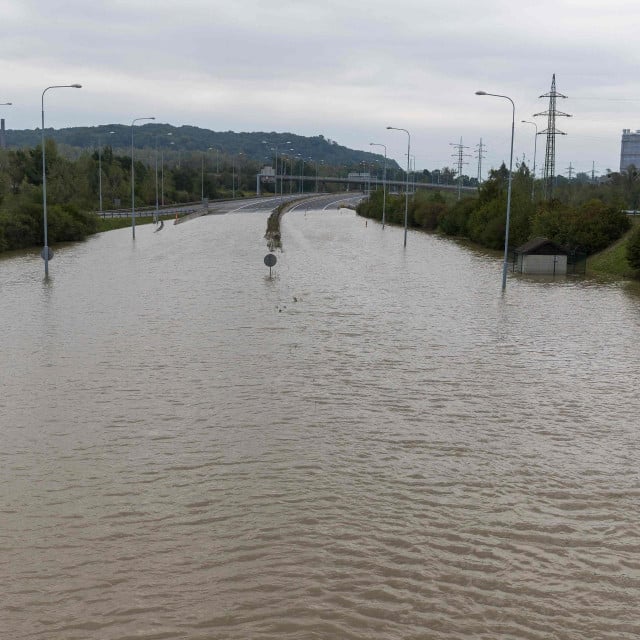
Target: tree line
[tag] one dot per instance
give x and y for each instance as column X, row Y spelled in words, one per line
column 585, row 217
column 77, row 185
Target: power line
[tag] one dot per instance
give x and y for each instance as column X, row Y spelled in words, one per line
column 459, row 154
column 480, row 148
column 551, row 132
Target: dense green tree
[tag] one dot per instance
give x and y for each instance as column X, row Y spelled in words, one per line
column 454, row 220
column 588, row 228
column 426, row 209
column 21, row 219
column 595, row 225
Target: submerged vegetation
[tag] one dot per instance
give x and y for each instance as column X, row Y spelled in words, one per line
column 272, row 235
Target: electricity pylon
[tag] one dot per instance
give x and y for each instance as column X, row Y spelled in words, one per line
column 551, row 132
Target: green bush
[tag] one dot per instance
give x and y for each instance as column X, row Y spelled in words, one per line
column 633, row 249
column 427, row 209
column 454, row 220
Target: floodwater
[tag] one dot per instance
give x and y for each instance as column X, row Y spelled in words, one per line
column 374, row 443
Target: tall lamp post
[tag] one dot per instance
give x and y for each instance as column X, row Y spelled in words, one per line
column 406, row 193
column 156, row 214
column 384, row 181
column 45, row 250
column 202, row 177
column 506, row 229
column 203, row 162
column 133, row 192
column 275, row 177
column 535, row 145
column 161, row 171
column 100, row 169
column 301, row 174
column 233, row 177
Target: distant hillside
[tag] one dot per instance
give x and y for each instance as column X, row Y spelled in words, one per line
column 192, row 139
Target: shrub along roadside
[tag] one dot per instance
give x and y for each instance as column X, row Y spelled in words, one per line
column 587, row 227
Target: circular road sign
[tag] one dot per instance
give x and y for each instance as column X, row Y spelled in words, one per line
column 46, row 256
column 270, row 260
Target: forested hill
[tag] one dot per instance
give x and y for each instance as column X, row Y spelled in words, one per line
column 191, row 139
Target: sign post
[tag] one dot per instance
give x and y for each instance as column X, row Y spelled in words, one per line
column 270, row 260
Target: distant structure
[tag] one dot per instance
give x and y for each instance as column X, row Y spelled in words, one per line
column 459, row 155
column 551, row 132
column 3, row 140
column 630, row 149
column 480, row 149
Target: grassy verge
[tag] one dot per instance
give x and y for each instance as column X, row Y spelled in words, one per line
column 612, row 261
column 109, row 224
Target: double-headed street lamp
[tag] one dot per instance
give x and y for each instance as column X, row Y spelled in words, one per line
column 406, row 194
column 133, row 186
column 535, row 145
column 506, row 229
column 46, row 252
column 384, row 180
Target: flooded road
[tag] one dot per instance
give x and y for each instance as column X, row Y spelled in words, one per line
column 374, row 443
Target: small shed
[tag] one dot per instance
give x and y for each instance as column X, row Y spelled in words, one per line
column 541, row 256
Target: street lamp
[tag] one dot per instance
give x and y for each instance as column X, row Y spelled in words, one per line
column 301, row 174
column 233, row 177
column 133, row 193
column 506, row 229
column 100, row 169
column 535, row 145
column 217, row 150
column 46, row 252
column 275, row 177
column 203, row 162
column 202, row 177
column 384, row 180
column 161, row 171
column 406, row 193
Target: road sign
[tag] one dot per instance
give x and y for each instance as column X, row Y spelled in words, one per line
column 270, row 260
column 48, row 256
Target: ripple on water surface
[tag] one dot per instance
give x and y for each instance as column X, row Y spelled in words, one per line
column 372, row 444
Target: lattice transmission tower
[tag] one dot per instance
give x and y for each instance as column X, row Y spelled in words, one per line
column 551, row 132
column 459, row 155
column 480, row 149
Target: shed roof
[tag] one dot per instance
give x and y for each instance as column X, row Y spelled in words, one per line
column 543, row 247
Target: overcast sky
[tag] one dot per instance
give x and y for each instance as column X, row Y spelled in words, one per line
column 341, row 68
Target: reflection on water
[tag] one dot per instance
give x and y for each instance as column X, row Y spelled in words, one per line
column 375, row 443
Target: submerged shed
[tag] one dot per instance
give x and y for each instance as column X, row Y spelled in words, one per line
column 541, row 256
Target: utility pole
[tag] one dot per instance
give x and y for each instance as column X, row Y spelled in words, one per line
column 459, row 155
column 570, row 170
column 550, row 154
column 480, row 149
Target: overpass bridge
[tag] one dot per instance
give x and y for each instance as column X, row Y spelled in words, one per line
column 361, row 181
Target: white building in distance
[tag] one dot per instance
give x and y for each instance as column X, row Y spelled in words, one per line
column 630, row 149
